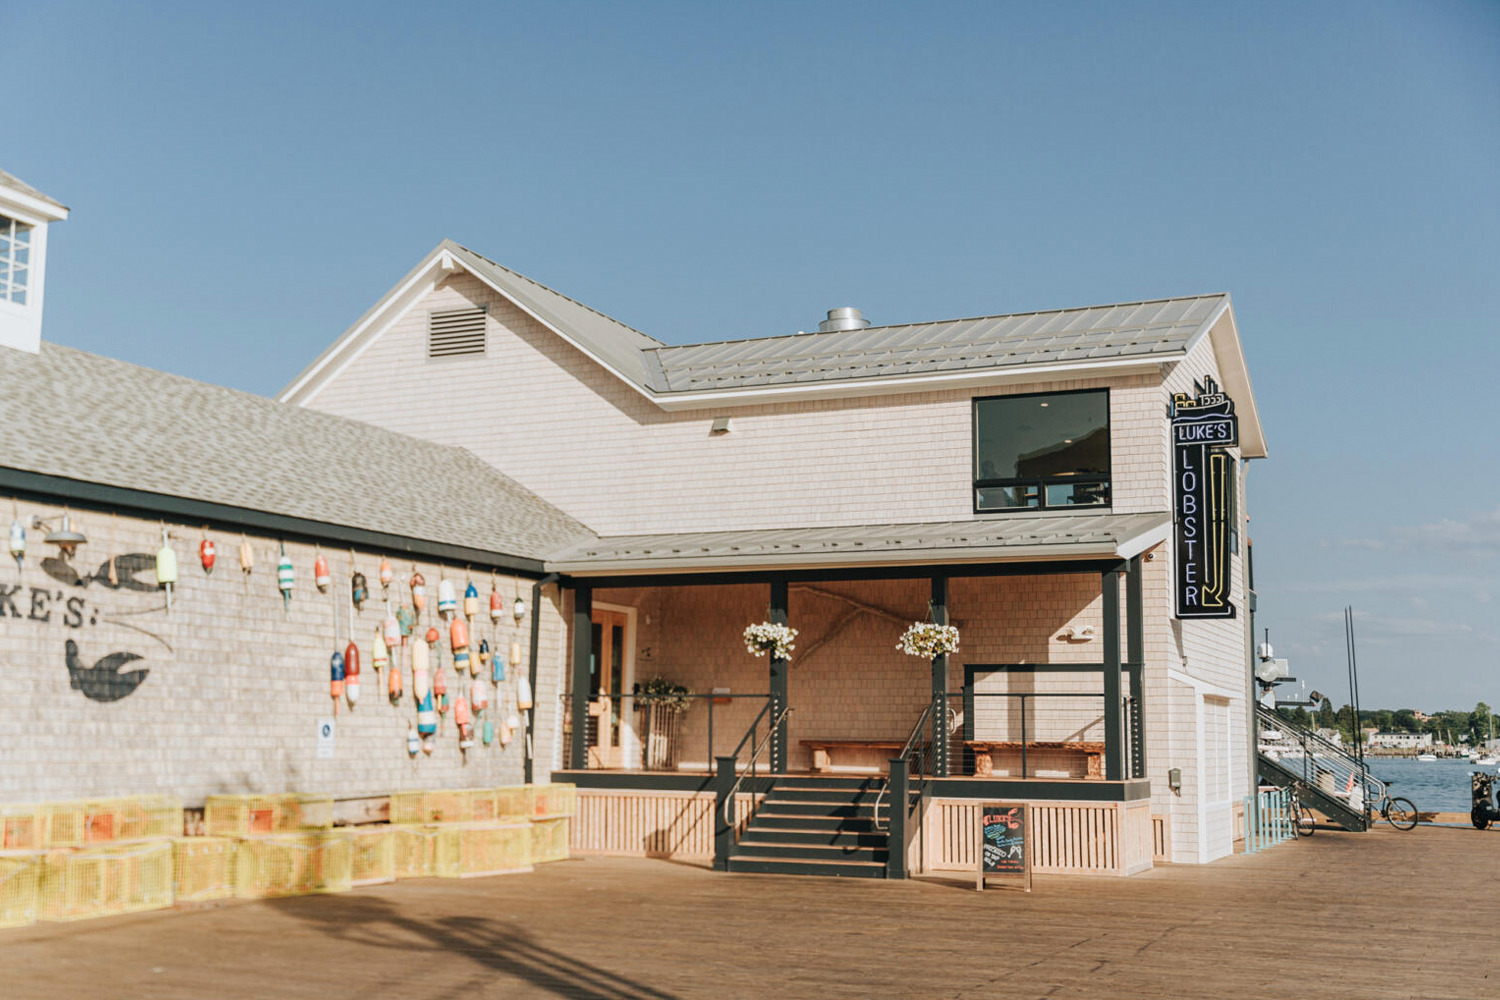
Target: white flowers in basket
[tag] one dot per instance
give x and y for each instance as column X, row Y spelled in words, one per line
column 929, row 641
column 768, row 637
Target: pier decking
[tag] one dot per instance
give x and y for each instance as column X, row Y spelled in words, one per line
column 1376, row 915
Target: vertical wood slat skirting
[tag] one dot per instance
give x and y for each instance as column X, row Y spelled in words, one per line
column 1077, row 838
column 649, row 824
column 1161, row 838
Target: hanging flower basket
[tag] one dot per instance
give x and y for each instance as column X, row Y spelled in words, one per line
column 768, row 637
column 929, row 641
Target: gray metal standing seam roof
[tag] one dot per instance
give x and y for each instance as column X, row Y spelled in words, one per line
column 1127, row 330
column 80, row 416
column 1021, row 536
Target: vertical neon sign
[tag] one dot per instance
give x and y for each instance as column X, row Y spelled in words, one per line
column 1202, row 427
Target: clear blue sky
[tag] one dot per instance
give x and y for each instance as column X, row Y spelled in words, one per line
column 247, row 179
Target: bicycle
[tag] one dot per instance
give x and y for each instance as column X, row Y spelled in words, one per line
column 1397, row 811
column 1304, row 824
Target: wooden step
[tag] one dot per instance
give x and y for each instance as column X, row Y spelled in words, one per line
column 809, row 852
column 836, row 869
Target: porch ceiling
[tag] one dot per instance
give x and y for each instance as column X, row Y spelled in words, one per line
column 1025, row 538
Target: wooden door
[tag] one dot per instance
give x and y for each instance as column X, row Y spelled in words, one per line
column 607, row 686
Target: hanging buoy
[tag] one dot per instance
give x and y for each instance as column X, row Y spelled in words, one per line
column 497, row 606
column 17, row 540
column 351, row 673
column 321, row 576
column 497, row 668
column 380, row 653
column 386, row 573
column 418, row 592
column 478, row 696
column 421, row 678
column 428, row 746
column 459, row 635
column 440, row 689
column 519, row 609
column 358, row 589
column 487, row 732
column 471, row 601
column 426, row 716
column 166, row 567
column 406, row 619
column 447, row 603
column 413, row 743
column 247, row 556
column 523, row 694
column 336, row 679
column 461, row 713
column 207, row 554
column 515, row 654
column 393, row 685
column 513, row 722
column 484, row 653
column 285, row 577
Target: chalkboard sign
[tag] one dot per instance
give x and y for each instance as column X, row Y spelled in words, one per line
column 1004, row 842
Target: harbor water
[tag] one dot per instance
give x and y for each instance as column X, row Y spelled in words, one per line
column 1432, row 785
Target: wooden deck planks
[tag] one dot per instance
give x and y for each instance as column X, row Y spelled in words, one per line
column 1373, row 916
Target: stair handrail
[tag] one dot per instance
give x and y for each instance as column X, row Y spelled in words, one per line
column 750, row 764
column 905, row 754
column 1315, row 748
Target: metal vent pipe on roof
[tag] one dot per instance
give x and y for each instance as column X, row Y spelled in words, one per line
column 843, row 318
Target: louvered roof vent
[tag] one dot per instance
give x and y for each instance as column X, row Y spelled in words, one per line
column 454, row 332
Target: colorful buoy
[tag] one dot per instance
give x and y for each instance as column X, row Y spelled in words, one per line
column 471, row 601
column 523, row 693
column 285, row 577
column 479, row 696
column 351, row 673
column 321, row 576
column 17, row 540
column 447, row 603
column 519, row 608
column 247, row 557
column 358, row 588
column 380, row 652
column 336, row 678
column 386, row 573
column 207, row 554
column 413, row 743
column 406, row 620
column 166, row 567
column 418, row 591
column 497, row 606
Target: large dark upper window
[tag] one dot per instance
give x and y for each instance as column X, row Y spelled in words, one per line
column 1042, row 450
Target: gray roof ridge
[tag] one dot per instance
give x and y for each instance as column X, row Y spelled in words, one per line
column 937, row 322
column 582, row 305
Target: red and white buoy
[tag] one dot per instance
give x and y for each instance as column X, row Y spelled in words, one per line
column 386, row 573
column 418, row 592
column 207, row 554
column 351, row 673
column 321, row 576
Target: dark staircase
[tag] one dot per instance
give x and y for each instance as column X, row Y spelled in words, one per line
column 816, row 826
column 1314, row 758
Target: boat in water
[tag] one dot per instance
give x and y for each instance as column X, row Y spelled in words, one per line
column 1426, row 756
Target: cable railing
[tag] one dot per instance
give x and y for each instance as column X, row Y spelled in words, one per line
column 1314, row 760
column 661, row 730
column 1039, row 724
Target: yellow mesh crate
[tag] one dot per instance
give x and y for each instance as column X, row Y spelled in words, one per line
column 483, row 805
column 86, row 882
column 408, row 807
column 20, row 885
column 412, row 849
column 252, row 815
column 374, row 855
column 23, row 826
column 136, row 817
column 63, row 824
column 293, row 864
column 203, row 867
column 471, row 849
column 549, row 840
column 553, row 800
column 513, row 802
column 449, row 806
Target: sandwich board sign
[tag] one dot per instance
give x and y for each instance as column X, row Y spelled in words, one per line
column 1004, row 843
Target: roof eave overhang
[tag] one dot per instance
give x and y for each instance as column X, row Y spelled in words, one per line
column 846, row 388
column 35, row 209
column 1224, row 335
column 1068, row 552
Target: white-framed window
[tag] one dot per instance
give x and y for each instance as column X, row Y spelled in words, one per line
column 15, row 260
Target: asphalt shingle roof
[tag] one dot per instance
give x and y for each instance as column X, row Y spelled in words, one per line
column 80, row 416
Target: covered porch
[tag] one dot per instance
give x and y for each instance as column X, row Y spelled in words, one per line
column 667, row 717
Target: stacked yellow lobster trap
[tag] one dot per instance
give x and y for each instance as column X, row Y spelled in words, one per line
column 99, row 857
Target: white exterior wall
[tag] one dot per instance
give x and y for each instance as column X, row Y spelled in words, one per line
column 566, row 428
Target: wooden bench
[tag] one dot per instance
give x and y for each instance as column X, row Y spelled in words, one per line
column 822, row 748
column 984, row 751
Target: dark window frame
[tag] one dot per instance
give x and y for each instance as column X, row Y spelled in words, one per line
column 1040, row 482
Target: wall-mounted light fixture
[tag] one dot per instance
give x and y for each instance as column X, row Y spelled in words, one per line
column 719, row 426
column 1174, row 780
column 63, row 536
column 1076, row 633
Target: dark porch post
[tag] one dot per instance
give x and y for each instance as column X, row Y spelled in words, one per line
column 724, row 778
column 779, row 687
column 940, row 683
column 899, row 791
column 1114, row 758
column 583, row 652
column 1135, row 655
